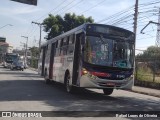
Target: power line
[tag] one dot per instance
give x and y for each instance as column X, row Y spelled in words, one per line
column 146, row 38
column 51, row 10
column 93, row 6
column 64, row 6
column 121, row 19
column 73, row 6
column 116, row 14
column 151, row 3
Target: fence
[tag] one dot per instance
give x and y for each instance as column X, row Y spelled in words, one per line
column 147, row 70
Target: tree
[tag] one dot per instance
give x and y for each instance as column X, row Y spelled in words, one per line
column 55, row 25
column 151, row 56
column 152, row 52
column 34, row 57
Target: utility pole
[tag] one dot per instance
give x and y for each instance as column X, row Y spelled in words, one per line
column 135, row 32
column 40, row 25
column 135, row 19
column 158, row 31
column 25, row 61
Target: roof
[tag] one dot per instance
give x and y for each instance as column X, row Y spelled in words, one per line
column 4, row 44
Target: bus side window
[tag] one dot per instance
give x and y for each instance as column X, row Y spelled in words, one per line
column 57, row 47
column 71, row 39
column 61, row 42
column 57, row 44
column 61, row 47
column 71, row 45
column 82, row 39
column 57, row 52
column 67, row 40
column 65, row 45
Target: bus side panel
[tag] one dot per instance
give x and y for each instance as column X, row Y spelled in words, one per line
column 52, row 54
column 56, row 68
column 43, row 60
column 40, row 62
column 47, row 60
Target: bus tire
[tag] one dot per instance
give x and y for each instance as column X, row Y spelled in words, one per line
column 68, row 87
column 108, row 91
column 47, row 81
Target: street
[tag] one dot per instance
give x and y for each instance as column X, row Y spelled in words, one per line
column 27, row 91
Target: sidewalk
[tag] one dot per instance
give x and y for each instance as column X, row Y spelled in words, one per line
column 146, row 91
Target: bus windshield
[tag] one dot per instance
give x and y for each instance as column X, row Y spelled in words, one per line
column 108, row 52
column 11, row 58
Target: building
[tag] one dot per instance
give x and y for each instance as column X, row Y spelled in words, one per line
column 5, row 48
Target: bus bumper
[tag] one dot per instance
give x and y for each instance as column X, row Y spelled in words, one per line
column 96, row 82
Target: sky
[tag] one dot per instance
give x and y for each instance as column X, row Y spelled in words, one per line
column 21, row 15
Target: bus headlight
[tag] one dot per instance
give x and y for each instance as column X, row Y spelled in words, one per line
column 84, row 72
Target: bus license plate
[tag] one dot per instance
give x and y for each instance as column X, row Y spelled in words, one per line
column 110, row 84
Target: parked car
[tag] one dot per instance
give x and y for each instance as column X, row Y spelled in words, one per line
column 17, row 65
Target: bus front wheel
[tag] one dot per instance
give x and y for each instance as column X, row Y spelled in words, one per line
column 108, row 91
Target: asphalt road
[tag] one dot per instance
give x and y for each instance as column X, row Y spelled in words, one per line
column 27, row 91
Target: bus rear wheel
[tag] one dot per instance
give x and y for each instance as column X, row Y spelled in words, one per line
column 68, row 87
column 108, row 91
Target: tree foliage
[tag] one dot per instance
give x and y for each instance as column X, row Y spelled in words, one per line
column 34, row 51
column 55, row 25
column 34, row 57
column 152, row 52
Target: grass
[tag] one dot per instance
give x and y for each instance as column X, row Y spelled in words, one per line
column 146, row 74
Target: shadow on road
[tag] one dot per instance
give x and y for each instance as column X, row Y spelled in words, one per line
column 28, row 87
column 55, row 95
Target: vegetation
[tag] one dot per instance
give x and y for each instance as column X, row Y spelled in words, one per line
column 34, row 57
column 151, row 52
column 55, row 25
column 148, row 65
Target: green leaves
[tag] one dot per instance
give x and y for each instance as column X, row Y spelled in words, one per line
column 151, row 52
column 55, row 25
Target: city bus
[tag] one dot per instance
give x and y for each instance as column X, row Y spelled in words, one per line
column 8, row 59
column 90, row 56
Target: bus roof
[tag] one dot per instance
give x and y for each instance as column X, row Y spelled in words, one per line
column 81, row 27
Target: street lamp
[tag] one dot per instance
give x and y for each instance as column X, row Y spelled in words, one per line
column 25, row 60
column 5, row 26
column 24, row 49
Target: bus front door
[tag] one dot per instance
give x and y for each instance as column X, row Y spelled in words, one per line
column 76, row 60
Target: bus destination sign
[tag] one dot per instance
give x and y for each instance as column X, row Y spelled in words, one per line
column 107, row 30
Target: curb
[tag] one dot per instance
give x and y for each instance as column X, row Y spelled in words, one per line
column 34, row 69
column 150, row 94
column 141, row 92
